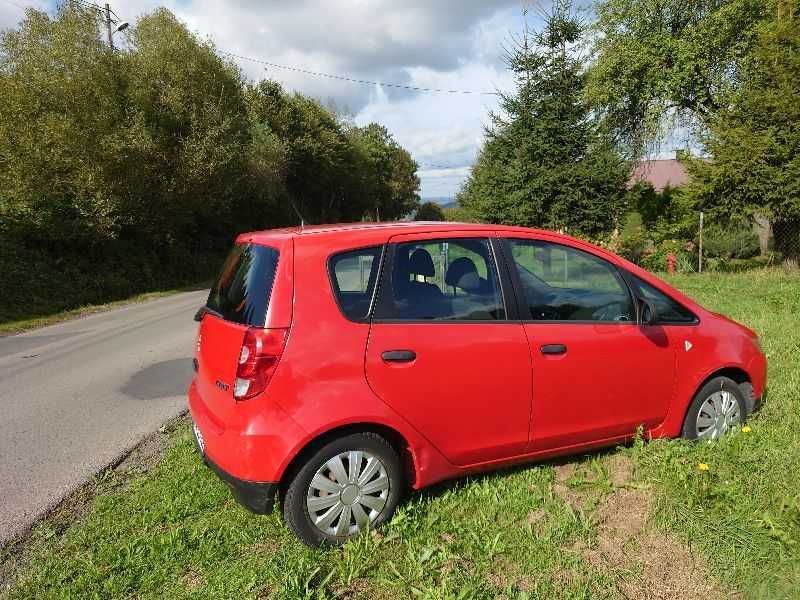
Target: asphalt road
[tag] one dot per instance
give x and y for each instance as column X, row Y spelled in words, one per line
column 77, row 395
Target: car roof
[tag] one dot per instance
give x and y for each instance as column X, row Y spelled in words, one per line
column 384, row 229
column 371, row 233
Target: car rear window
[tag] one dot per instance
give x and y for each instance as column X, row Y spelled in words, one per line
column 242, row 290
column 354, row 275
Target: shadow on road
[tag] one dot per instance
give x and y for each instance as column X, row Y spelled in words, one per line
column 161, row 380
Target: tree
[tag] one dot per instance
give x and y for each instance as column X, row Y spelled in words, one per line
column 754, row 141
column 60, row 109
column 390, row 179
column 546, row 160
column 186, row 132
column 663, row 59
column 429, row 211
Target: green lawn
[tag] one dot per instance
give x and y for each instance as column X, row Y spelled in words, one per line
column 637, row 522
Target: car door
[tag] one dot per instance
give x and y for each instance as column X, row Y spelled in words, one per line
column 597, row 373
column 442, row 351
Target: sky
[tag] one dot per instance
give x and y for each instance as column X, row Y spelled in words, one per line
column 443, row 44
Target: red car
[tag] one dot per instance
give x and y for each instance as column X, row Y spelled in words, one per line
column 337, row 366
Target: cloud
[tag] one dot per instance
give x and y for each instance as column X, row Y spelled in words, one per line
column 12, row 12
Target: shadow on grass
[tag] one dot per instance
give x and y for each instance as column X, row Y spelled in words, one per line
column 437, row 489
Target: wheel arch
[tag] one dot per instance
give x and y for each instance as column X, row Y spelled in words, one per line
column 737, row 374
column 391, row 435
column 732, row 372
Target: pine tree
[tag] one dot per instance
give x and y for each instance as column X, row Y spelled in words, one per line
column 546, row 161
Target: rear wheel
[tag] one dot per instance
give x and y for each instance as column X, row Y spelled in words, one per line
column 346, row 487
column 717, row 408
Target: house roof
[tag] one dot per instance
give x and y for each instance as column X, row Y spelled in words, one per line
column 660, row 173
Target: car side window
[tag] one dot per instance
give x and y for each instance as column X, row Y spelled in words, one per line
column 354, row 275
column 668, row 311
column 443, row 280
column 561, row 283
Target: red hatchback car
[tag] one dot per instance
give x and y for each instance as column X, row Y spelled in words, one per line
column 337, row 366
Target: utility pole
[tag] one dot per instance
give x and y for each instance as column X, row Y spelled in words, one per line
column 108, row 26
column 700, row 248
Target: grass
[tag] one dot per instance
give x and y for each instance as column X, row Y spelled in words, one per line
column 176, row 532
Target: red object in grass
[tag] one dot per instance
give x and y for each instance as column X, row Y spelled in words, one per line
column 671, row 262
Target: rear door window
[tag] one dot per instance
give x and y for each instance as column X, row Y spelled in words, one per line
column 445, row 280
column 241, row 292
column 354, row 275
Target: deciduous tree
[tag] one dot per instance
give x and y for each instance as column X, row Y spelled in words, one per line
column 754, row 139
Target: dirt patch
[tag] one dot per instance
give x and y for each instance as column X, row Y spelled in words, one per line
column 146, row 455
column 572, row 496
column 192, row 580
column 535, row 516
column 647, row 564
column 620, row 469
column 361, row 589
column 651, row 564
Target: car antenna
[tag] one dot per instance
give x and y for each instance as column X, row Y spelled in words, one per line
column 299, row 216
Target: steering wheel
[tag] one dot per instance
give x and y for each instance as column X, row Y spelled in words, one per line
column 610, row 312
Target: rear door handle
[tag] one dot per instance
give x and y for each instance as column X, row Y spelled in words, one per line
column 553, row 349
column 399, row 355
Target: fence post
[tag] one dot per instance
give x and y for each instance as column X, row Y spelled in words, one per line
column 700, row 246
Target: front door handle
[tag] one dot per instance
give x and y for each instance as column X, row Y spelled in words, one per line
column 399, row 355
column 554, row 349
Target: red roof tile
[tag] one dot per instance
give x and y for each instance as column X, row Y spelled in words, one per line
column 660, row 173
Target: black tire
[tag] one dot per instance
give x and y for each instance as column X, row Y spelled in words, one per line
column 295, row 511
column 690, row 429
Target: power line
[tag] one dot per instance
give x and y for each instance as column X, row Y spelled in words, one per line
column 20, row 6
column 354, row 80
column 412, row 88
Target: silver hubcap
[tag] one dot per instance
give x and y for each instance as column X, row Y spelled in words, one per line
column 347, row 493
column 719, row 413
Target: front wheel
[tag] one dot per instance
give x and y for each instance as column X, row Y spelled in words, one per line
column 347, row 486
column 717, row 408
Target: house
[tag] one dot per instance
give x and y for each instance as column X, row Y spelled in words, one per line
column 659, row 173
column 662, row 173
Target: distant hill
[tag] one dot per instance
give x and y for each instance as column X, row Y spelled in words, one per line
column 443, row 201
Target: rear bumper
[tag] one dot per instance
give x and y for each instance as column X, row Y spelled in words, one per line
column 252, row 440
column 255, row 496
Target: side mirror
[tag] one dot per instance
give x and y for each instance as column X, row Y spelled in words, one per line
column 198, row 316
column 647, row 312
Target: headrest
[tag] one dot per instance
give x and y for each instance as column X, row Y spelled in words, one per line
column 421, row 263
column 463, row 274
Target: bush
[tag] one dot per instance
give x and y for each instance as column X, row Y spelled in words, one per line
column 634, row 246
column 730, row 240
column 737, row 265
column 656, row 259
column 37, row 281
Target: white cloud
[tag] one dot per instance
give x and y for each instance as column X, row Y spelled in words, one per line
column 13, row 11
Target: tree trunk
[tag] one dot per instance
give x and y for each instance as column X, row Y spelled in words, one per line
column 787, row 240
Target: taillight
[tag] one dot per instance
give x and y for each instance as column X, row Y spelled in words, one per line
column 260, row 353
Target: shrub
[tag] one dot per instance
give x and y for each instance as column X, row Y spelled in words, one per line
column 730, row 240
column 656, row 260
